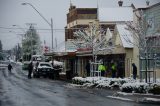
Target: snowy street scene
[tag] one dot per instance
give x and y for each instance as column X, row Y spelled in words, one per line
column 17, row 90
column 80, row 53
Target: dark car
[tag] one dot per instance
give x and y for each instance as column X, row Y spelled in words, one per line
column 44, row 69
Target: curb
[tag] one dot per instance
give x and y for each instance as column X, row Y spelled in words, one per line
column 120, row 98
column 138, row 98
column 149, row 100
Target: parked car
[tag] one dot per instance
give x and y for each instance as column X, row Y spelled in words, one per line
column 44, row 69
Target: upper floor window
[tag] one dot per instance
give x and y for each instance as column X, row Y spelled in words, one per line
column 150, row 23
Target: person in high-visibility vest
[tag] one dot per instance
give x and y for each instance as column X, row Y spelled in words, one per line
column 102, row 68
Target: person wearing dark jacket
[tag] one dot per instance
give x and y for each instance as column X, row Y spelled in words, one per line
column 9, row 67
column 88, row 69
column 113, row 69
column 30, row 68
column 134, row 70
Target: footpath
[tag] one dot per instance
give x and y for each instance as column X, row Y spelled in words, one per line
column 137, row 97
column 131, row 97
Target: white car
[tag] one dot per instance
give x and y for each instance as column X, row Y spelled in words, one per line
column 44, row 69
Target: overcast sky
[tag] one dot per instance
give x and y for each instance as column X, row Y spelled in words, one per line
column 13, row 13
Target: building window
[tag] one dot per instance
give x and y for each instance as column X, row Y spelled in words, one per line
column 151, row 22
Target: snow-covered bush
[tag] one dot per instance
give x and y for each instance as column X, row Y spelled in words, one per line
column 79, row 80
column 135, row 87
column 101, row 82
column 155, row 89
column 141, row 88
column 127, row 85
column 127, row 89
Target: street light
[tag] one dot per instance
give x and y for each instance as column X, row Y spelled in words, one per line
column 50, row 24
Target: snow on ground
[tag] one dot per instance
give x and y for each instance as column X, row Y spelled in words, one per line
column 152, row 99
column 135, row 85
column 128, row 85
column 123, row 93
column 105, row 80
column 73, row 86
column 120, row 98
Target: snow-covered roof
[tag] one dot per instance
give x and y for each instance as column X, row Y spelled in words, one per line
column 115, row 14
column 125, row 35
column 140, row 6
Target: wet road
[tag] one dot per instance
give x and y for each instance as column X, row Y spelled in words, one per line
column 17, row 90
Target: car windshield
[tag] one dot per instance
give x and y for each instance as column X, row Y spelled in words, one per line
column 47, row 65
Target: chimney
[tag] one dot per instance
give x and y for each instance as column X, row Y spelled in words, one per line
column 72, row 7
column 120, row 3
column 147, row 2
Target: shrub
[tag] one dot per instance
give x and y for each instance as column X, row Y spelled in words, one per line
column 135, row 87
column 112, row 82
column 127, row 89
column 155, row 89
column 122, row 82
column 140, row 89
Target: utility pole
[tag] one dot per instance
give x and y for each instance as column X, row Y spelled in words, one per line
column 50, row 24
column 52, row 32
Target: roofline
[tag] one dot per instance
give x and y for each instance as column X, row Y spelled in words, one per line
column 154, row 5
column 140, row 9
column 145, row 8
column 86, row 8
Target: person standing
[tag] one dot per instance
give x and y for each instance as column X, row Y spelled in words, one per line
column 134, row 69
column 10, row 67
column 30, row 68
column 37, row 65
column 88, row 69
column 101, row 68
column 113, row 69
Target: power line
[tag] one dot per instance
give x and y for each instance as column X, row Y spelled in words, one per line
column 39, row 28
column 21, row 32
column 27, row 28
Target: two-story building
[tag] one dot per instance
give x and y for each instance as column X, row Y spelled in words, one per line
column 151, row 26
column 111, row 19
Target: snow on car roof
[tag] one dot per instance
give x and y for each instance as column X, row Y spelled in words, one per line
column 44, row 63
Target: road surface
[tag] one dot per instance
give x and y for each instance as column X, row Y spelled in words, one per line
column 17, row 90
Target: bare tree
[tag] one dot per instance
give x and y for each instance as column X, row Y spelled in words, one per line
column 95, row 39
column 142, row 40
